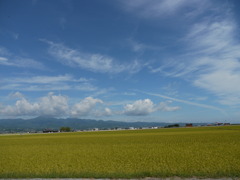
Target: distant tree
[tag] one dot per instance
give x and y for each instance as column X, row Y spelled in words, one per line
column 65, row 129
column 172, row 125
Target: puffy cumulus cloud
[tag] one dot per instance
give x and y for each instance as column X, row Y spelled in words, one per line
column 54, row 105
column 51, row 105
column 22, row 107
column 146, row 107
column 139, row 108
column 85, row 106
column 58, row 106
column 108, row 111
column 104, row 112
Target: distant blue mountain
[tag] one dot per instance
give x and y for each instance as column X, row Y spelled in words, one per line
column 40, row 123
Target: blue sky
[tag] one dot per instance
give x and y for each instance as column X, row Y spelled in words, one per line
column 127, row 60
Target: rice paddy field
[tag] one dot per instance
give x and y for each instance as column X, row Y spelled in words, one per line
column 211, row 152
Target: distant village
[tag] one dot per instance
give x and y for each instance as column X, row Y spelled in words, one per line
column 71, row 129
column 187, row 125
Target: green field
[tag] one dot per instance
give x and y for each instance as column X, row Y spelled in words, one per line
column 183, row 152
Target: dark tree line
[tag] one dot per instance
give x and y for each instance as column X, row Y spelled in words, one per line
column 65, row 129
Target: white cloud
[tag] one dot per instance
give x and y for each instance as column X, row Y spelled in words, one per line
column 26, row 63
column 47, row 83
column 9, row 59
column 27, row 87
column 103, row 112
column 225, row 84
column 58, row 106
column 184, row 101
column 156, row 8
column 86, row 87
column 136, row 46
column 44, row 79
column 92, row 62
column 3, row 59
column 50, row 105
column 16, row 95
column 146, row 107
column 218, row 60
column 85, row 106
column 62, row 22
column 129, row 94
column 212, row 36
column 15, row 35
column 139, row 47
column 4, row 51
column 163, row 106
column 139, row 108
column 54, row 105
column 103, row 91
column 23, row 107
column 107, row 112
column 210, row 57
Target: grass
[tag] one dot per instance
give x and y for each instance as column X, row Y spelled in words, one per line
column 184, row 152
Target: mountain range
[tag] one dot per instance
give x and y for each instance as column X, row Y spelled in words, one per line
column 40, row 123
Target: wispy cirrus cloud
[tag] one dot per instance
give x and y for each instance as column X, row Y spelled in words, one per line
column 210, row 56
column 9, row 59
column 62, row 22
column 3, row 60
column 47, row 83
column 47, row 79
column 139, row 47
column 217, row 60
column 156, row 8
column 220, row 59
column 21, row 63
column 91, row 62
column 184, row 101
column 4, row 51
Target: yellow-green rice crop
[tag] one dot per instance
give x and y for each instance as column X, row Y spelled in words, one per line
column 183, row 152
